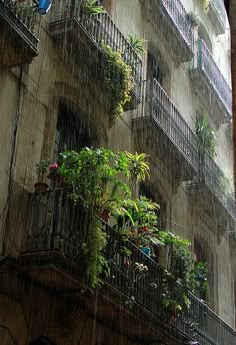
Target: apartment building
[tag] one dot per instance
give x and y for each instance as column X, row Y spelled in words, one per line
column 53, row 97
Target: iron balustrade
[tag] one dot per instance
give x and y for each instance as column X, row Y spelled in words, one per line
column 215, row 179
column 56, row 223
column 181, row 20
column 219, row 7
column 21, row 16
column 206, row 63
column 102, row 30
column 160, row 107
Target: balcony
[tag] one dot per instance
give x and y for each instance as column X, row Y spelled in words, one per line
column 164, row 131
column 211, row 176
column 84, row 35
column 211, row 85
column 171, row 21
column 53, row 258
column 217, row 14
column 18, row 43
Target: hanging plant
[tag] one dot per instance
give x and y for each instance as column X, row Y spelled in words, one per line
column 118, row 80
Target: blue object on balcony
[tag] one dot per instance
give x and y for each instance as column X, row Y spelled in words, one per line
column 44, row 6
column 146, row 250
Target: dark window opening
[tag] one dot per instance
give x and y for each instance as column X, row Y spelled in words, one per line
column 73, row 132
column 155, row 196
column 153, row 69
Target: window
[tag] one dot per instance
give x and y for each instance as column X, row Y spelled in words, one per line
column 154, row 69
column 73, row 131
column 155, row 196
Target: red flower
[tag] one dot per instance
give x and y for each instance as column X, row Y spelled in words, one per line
column 127, row 263
column 53, row 166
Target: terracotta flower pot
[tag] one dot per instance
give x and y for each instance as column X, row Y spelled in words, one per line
column 40, row 187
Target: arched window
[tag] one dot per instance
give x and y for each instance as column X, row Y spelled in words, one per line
column 42, row 341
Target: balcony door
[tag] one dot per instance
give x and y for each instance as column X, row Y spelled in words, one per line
column 154, row 70
column 73, row 131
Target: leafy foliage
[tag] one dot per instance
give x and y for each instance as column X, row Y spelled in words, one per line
column 42, row 168
column 92, row 8
column 94, row 179
column 118, row 80
column 136, row 43
column 206, row 136
column 198, row 279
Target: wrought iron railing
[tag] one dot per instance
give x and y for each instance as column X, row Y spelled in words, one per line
column 102, row 30
column 216, row 180
column 206, row 63
column 218, row 6
column 181, row 20
column 160, row 107
column 55, row 223
column 22, row 16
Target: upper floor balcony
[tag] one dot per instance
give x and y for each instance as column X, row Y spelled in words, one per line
column 211, row 176
column 163, row 132
column 174, row 25
column 169, row 136
column 211, row 85
column 53, row 257
column 85, row 35
column 218, row 15
column 18, row 42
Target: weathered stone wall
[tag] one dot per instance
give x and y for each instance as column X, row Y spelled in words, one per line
column 29, row 109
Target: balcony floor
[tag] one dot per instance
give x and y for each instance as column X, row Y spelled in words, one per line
column 153, row 137
column 51, row 270
column 70, row 33
column 17, row 44
column 215, row 105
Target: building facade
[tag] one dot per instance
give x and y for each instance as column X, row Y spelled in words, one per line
column 53, row 98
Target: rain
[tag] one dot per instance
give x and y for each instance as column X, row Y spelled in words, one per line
column 117, row 197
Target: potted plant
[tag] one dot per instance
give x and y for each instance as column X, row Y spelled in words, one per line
column 41, row 169
column 54, row 176
column 92, row 8
column 136, row 43
column 89, row 13
column 206, row 136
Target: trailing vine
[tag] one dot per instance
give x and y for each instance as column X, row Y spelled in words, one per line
column 118, row 80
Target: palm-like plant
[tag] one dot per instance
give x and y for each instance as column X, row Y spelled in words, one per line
column 136, row 43
column 138, row 166
column 92, row 7
column 206, row 136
